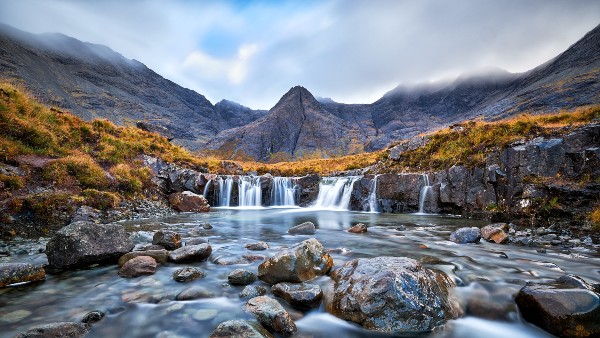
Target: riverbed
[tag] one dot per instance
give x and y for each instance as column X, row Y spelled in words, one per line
column 145, row 307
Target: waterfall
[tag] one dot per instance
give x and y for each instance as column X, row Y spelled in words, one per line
column 206, row 187
column 426, row 189
column 225, row 186
column 282, row 192
column 373, row 196
column 335, row 192
column 250, row 192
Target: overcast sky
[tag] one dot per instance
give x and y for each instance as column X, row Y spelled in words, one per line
column 252, row 52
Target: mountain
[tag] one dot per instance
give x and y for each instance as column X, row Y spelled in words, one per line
column 92, row 81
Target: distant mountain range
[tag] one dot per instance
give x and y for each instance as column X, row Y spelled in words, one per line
column 94, row 81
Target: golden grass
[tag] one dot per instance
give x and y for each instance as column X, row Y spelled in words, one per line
column 595, row 218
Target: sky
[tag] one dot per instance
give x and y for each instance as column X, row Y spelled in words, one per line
column 353, row 51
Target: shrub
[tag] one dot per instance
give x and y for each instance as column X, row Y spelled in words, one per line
column 8, row 182
column 595, row 218
column 102, row 200
column 131, row 180
column 82, row 167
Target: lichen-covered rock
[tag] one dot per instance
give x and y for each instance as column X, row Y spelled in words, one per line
column 187, row 274
column 240, row 329
column 306, row 228
column 241, row 277
column 191, row 253
column 568, row 307
column 138, row 266
column 466, row 235
column 301, row 262
column 81, row 244
column 271, row 314
column 495, row 233
column 12, row 273
column 160, row 256
column 391, row 294
column 299, row 295
column 170, row 240
column 187, row 201
column 56, row 330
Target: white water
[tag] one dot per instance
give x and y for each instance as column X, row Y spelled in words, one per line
column 335, row 192
column 225, row 186
column 283, row 192
column 250, row 193
column 373, row 207
column 425, row 190
column 206, row 188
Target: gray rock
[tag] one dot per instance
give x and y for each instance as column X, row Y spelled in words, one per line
column 272, row 315
column 194, row 292
column 251, row 291
column 306, row 228
column 391, row 294
column 170, row 240
column 358, row 228
column 190, row 253
column 302, row 296
column 81, row 244
column 56, row 330
column 138, row 266
column 466, row 235
column 187, row 274
column 240, row 329
column 12, row 273
column 196, row 241
column 93, row 317
column 301, row 262
column 241, row 277
column 258, row 246
column 160, row 256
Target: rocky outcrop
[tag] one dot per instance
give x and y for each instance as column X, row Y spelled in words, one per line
column 299, row 295
column 187, row 201
column 391, row 294
column 80, row 244
column 138, row 266
column 271, row 314
column 240, row 329
column 12, row 273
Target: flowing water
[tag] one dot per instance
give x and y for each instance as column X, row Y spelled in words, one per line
column 335, row 192
column 250, row 193
column 373, row 206
column 283, row 192
column 225, row 187
column 425, row 191
column 145, row 306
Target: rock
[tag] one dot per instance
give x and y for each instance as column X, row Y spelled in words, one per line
column 187, row 274
column 56, row 330
column 302, row 296
column 306, row 228
column 301, row 262
column 358, row 228
column 466, row 235
column 241, row 277
column 258, row 246
column 170, row 240
column 251, row 291
column 187, row 201
column 194, row 292
column 12, row 273
column 240, row 329
column 495, row 233
column 81, row 244
column 138, row 266
column 86, row 214
column 207, row 226
column 160, row 256
column 391, row 294
column 230, row 260
column 568, row 307
column 254, row 258
column 196, row 240
column 271, row 314
column 191, row 253
column 93, row 317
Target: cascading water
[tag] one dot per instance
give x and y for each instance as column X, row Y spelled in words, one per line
column 335, row 192
column 283, row 192
column 373, row 207
column 426, row 189
column 250, row 192
column 207, row 188
column 225, row 186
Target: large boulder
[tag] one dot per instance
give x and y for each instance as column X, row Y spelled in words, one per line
column 80, row 244
column 187, row 201
column 56, row 330
column 301, row 262
column 11, row 273
column 240, row 329
column 391, row 294
column 466, row 235
column 568, row 307
column 191, row 253
column 138, row 266
column 271, row 314
column 299, row 295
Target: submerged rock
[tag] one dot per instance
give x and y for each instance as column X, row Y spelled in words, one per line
column 56, row 330
column 258, row 246
column 271, row 314
column 568, row 307
column 187, row 201
column 302, row 296
column 306, row 228
column 138, row 266
column 190, row 253
column 170, row 240
column 495, row 233
column 93, row 317
column 187, row 274
column 301, row 262
column 12, row 273
column 241, row 277
column 160, row 256
column 391, row 294
column 240, row 329
column 358, row 228
column 466, row 235
column 194, row 292
column 81, row 244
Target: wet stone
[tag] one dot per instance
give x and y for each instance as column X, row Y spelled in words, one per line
column 187, row 274
column 466, row 235
column 241, row 277
column 194, row 292
column 272, row 315
column 170, row 240
column 62, row 329
column 138, row 266
column 196, row 241
column 15, row 316
column 205, row 314
column 251, row 291
column 240, row 329
column 258, row 246
column 302, row 296
column 93, row 317
column 160, row 256
column 306, row 228
column 230, row 260
column 191, row 253
column 358, row 228
column 12, row 273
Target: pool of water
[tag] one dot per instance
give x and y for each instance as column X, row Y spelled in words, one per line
column 144, row 306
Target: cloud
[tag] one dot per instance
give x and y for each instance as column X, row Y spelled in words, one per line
column 350, row 50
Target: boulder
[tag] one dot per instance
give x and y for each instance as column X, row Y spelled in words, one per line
column 358, row 228
column 187, row 201
column 12, row 273
column 187, row 274
column 160, row 256
column 301, row 262
column 258, row 246
column 495, row 233
column 568, row 307
column 391, row 294
column 302, row 296
column 56, row 330
column 191, row 253
column 93, row 317
column 81, row 244
column 306, row 228
column 466, row 235
column 240, row 329
column 138, row 266
column 251, row 291
column 170, row 240
column 241, row 277
column 272, row 315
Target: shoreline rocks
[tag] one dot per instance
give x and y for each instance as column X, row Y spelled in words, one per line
column 13, row 273
column 138, row 266
column 466, row 236
column 191, row 253
column 271, row 314
column 187, row 201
